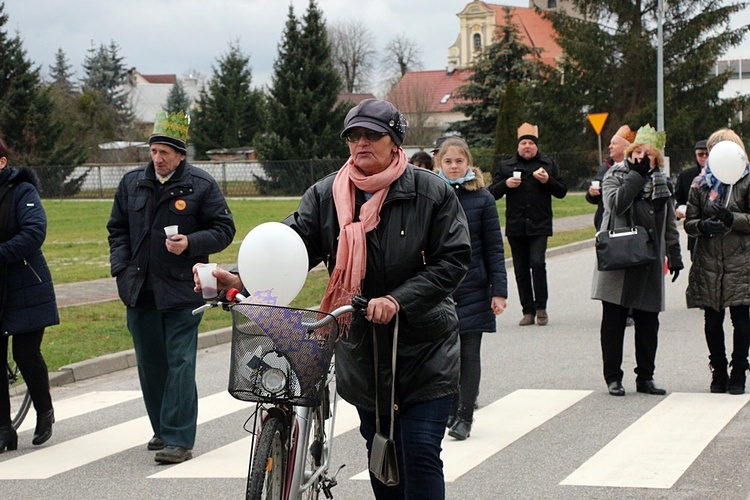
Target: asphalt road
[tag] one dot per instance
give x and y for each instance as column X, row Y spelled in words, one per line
column 546, row 427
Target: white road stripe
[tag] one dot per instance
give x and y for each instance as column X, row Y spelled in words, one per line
column 232, row 460
column 659, row 447
column 499, row 425
column 78, row 405
column 59, row 458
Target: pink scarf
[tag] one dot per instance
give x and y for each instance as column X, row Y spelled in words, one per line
column 351, row 256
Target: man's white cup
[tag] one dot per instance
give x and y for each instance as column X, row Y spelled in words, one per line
column 595, row 184
column 208, row 280
column 516, row 174
column 171, row 231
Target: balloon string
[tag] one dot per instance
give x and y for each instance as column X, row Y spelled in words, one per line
column 729, row 195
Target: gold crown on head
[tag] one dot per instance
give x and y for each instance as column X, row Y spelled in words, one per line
column 528, row 129
column 172, row 125
column 649, row 135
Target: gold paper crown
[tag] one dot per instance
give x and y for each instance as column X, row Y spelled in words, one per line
column 648, row 134
column 528, row 129
column 626, row 133
column 173, row 125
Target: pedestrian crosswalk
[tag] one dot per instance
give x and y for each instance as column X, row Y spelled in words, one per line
column 653, row 451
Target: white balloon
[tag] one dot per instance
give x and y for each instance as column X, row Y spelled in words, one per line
column 273, row 264
column 727, row 161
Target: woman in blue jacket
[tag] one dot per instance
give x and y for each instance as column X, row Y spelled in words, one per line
column 485, row 288
column 27, row 297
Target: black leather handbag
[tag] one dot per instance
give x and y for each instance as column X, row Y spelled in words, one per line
column 622, row 248
column 383, row 456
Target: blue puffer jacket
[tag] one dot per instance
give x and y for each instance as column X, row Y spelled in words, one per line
column 487, row 276
column 29, row 297
column 142, row 208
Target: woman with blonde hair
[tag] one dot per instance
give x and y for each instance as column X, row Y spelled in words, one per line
column 720, row 274
column 640, row 191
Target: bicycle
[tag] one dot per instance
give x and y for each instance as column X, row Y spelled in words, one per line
column 20, row 399
column 282, row 361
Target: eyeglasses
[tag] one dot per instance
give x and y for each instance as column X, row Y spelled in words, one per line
column 371, row 136
column 702, row 155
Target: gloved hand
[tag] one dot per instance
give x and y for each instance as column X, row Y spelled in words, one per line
column 675, row 273
column 712, row 227
column 726, row 216
column 642, row 166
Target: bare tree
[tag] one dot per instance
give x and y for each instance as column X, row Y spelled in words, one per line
column 415, row 99
column 401, row 54
column 352, row 50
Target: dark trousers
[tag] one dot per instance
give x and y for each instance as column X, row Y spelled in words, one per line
column 530, row 268
column 612, row 334
column 418, row 431
column 471, row 372
column 165, row 348
column 27, row 353
column 714, row 330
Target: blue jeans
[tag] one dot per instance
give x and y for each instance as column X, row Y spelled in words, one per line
column 418, row 432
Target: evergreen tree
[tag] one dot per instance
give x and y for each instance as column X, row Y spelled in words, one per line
column 229, row 113
column 105, row 74
column 508, row 120
column 619, row 77
column 177, row 100
column 506, row 59
column 304, row 117
column 61, row 74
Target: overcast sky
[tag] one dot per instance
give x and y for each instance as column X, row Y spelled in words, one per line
column 174, row 36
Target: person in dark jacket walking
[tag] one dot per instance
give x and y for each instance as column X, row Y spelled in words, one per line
column 637, row 192
column 720, row 275
column 397, row 234
column 685, row 181
column 483, row 291
column 155, row 278
column 528, row 181
column 27, row 296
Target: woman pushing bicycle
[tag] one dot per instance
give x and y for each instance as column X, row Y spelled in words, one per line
column 397, row 235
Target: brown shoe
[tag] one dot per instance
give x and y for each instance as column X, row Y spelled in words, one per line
column 528, row 319
column 541, row 317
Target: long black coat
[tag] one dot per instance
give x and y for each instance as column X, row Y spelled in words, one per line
column 528, row 209
column 487, row 276
column 29, row 303
column 419, row 253
column 142, row 208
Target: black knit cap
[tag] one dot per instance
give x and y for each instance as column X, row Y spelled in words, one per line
column 381, row 116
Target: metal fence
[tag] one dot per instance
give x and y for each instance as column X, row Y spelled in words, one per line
column 290, row 178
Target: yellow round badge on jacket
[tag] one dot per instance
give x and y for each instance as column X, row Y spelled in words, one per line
column 180, row 204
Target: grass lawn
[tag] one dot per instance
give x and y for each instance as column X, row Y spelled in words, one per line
column 77, row 250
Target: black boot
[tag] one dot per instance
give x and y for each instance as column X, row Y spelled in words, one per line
column 719, row 378
column 452, row 414
column 43, row 429
column 8, row 438
column 461, row 429
column 736, row 383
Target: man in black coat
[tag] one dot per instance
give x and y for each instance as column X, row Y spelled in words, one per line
column 155, row 277
column 685, row 180
column 528, row 180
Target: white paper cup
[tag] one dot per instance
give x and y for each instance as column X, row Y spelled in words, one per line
column 595, row 184
column 516, row 174
column 208, row 280
column 171, row 231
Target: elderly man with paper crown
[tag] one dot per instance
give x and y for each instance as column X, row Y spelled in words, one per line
column 529, row 180
column 155, row 277
column 639, row 193
column 621, row 140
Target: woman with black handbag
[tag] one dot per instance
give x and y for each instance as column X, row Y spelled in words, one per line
column 637, row 192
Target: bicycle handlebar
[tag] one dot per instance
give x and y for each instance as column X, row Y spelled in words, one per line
column 359, row 303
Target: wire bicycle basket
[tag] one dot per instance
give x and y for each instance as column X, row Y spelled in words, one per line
column 278, row 356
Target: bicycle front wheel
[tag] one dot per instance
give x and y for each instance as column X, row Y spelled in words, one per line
column 20, row 399
column 318, row 450
column 268, row 466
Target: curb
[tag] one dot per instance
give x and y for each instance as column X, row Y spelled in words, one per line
column 110, row 363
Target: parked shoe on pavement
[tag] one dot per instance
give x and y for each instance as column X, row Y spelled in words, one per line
column 43, row 430
column 460, row 430
column 736, row 383
column 8, row 438
column 155, row 443
column 173, row 455
column 615, row 388
column 528, row 319
column 541, row 317
column 649, row 387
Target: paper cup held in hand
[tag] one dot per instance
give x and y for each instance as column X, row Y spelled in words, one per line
column 171, row 231
column 208, row 280
column 595, row 184
column 516, row 174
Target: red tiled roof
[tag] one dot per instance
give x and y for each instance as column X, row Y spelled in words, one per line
column 160, row 78
column 353, row 98
column 432, row 91
column 535, row 30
